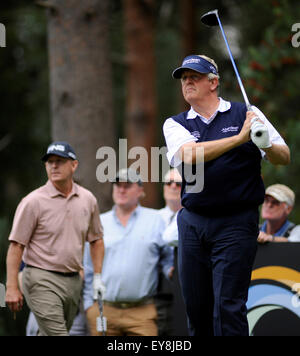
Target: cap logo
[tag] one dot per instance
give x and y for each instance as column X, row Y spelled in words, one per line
column 56, row 148
column 213, row 69
column 71, row 155
column 192, row 60
column 196, row 134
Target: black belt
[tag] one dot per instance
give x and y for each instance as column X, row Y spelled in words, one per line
column 64, row 274
column 125, row 305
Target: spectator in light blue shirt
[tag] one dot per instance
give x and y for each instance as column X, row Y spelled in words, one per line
column 134, row 250
column 278, row 204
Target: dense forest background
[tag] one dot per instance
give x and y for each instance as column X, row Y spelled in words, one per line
column 96, row 71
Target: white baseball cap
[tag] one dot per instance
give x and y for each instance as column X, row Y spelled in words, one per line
column 281, row 193
column 128, row 175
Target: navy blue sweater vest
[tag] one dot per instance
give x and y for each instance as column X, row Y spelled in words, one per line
column 232, row 182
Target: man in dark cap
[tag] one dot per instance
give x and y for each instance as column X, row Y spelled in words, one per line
column 49, row 231
column 218, row 226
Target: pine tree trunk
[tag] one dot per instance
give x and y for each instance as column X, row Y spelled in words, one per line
column 188, row 10
column 141, row 110
column 81, row 87
column 189, row 27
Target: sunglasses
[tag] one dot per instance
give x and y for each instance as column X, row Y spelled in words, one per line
column 178, row 184
column 272, row 201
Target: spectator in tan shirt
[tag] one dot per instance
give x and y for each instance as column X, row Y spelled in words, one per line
column 49, row 231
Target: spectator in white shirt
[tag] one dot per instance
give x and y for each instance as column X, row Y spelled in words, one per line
column 172, row 190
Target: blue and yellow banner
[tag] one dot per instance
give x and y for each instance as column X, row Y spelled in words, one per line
column 274, row 295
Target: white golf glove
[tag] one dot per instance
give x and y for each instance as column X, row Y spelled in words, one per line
column 261, row 140
column 98, row 286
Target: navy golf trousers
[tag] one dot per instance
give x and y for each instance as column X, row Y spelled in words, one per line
column 215, row 259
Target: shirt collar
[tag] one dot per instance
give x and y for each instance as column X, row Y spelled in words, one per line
column 223, row 106
column 134, row 213
column 279, row 232
column 168, row 210
column 53, row 192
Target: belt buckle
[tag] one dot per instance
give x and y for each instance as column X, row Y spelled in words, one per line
column 124, row 305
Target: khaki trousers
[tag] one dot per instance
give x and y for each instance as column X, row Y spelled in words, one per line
column 136, row 321
column 53, row 299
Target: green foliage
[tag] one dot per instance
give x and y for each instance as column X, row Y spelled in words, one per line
column 24, row 124
column 270, row 69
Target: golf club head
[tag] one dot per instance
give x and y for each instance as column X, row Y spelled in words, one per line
column 210, row 18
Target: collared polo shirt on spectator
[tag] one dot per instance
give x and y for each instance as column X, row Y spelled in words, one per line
column 53, row 228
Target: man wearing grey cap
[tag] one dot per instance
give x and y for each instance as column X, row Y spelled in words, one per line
column 278, row 204
column 218, row 226
column 49, row 231
column 134, row 251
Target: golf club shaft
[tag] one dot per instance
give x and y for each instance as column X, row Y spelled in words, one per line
column 209, row 19
column 100, row 303
column 234, row 66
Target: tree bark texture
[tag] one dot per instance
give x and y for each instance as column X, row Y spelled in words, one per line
column 189, row 32
column 81, row 84
column 188, row 9
column 141, row 107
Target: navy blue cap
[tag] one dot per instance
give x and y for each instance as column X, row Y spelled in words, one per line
column 60, row 148
column 196, row 63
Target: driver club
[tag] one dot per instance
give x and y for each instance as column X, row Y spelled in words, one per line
column 210, row 19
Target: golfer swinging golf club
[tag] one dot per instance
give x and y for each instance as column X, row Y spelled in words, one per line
column 218, row 227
